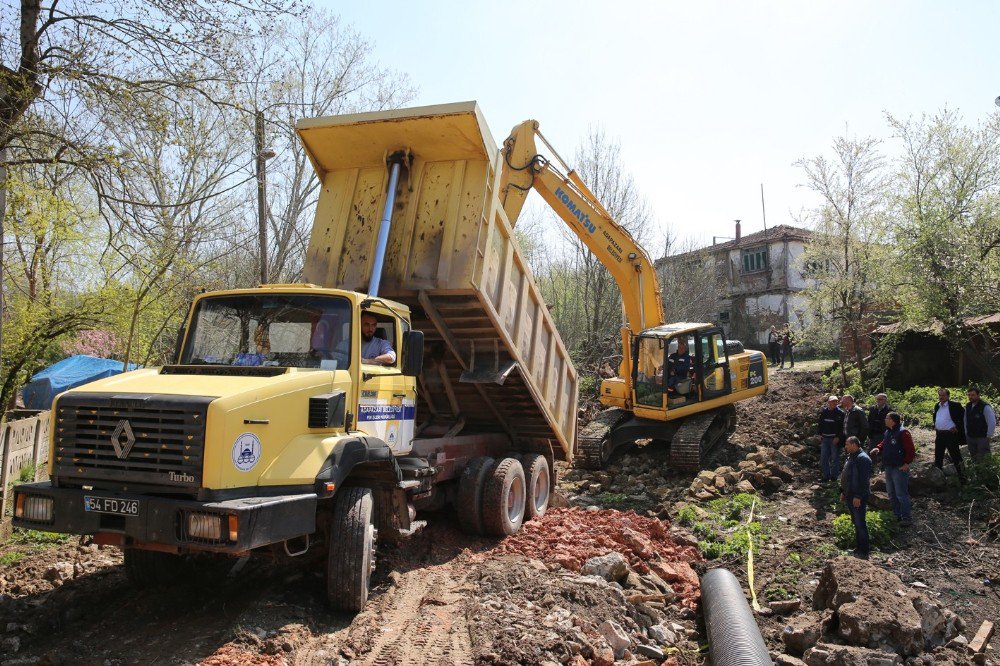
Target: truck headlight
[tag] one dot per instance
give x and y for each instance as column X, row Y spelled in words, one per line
column 34, row 508
column 206, row 526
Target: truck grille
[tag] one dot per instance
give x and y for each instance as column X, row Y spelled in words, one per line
column 130, row 440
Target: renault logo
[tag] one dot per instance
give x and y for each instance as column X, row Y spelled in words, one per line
column 122, row 439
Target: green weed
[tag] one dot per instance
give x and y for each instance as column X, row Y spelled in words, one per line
column 10, row 558
column 687, row 516
column 36, row 538
column 882, row 525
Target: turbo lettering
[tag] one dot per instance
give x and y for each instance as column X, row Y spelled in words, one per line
column 578, row 213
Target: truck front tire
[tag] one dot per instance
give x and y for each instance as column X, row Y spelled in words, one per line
column 538, row 479
column 504, row 498
column 351, row 555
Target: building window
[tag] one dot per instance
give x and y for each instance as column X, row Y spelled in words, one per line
column 754, row 259
column 723, row 317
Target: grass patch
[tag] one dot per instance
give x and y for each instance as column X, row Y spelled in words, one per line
column 37, row 538
column 687, row 516
column 983, row 478
column 724, row 531
column 882, row 526
column 616, row 500
column 10, row 558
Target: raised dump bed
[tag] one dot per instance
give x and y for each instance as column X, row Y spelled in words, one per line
column 494, row 360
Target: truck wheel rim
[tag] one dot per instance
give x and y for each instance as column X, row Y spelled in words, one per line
column 515, row 500
column 541, row 490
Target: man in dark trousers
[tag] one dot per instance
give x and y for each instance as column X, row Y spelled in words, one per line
column 787, row 347
column 980, row 424
column 855, row 485
column 855, row 419
column 949, row 431
column 831, row 438
column 876, row 419
column 773, row 348
column 897, row 452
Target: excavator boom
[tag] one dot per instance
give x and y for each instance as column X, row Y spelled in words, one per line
column 629, row 265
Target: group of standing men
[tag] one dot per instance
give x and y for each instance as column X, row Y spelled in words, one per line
column 846, row 425
column 781, row 346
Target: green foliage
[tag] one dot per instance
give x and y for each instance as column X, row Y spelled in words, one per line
column 10, row 558
column 916, row 404
column 588, row 384
column 982, row 477
column 723, row 532
column 687, row 516
column 778, row 593
column 612, row 499
column 882, row 525
column 36, row 538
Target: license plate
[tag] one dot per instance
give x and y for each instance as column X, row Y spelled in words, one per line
column 119, row 507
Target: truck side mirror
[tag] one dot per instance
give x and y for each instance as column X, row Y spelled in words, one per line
column 413, row 353
column 177, row 345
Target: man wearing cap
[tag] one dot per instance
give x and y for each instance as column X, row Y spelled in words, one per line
column 831, row 427
column 876, row 419
column 980, row 424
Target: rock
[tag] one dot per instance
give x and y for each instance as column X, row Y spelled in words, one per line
column 59, row 572
column 871, row 614
column 926, row 478
column 773, row 483
column 662, row 634
column 802, row 632
column 616, row 637
column 639, row 544
column 794, row 451
column 783, row 473
column 603, row 654
column 12, row 644
column 720, row 482
column 826, row 654
column 788, row 660
column 611, row 567
column 745, row 486
column 878, row 500
column 786, row 606
column 878, row 484
column 938, row 625
column 651, row 652
column 960, row 642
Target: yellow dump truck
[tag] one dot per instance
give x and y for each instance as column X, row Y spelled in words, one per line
column 417, row 365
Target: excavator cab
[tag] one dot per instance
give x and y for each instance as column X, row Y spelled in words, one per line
column 679, row 366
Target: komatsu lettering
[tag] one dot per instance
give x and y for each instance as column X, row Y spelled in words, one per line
column 578, row 213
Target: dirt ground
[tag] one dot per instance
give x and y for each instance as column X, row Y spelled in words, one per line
column 447, row 598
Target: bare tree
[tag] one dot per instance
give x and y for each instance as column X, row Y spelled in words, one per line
column 848, row 256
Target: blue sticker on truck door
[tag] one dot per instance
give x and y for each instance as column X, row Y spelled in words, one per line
column 392, row 422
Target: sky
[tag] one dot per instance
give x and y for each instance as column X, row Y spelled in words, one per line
column 708, row 100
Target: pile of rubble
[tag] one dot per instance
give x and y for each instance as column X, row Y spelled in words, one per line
column 613, row 545
column 521, row 613
column 764, row 471
column 863, row 614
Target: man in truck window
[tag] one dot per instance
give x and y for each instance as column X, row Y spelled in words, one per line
column 374, row 350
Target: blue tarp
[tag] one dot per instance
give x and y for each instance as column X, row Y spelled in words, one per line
column 66, row 374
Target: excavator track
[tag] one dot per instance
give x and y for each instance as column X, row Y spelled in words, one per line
column 593, row 447
column 698, row 435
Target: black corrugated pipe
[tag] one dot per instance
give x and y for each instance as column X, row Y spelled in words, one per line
column 733, row 636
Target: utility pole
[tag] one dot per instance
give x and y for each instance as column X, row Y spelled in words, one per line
column 262, row 155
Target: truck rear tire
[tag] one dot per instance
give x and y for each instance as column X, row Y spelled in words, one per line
column 147, row 569
column 469, row 500
column 504, row 498
column 351, row 556
column 538, row 485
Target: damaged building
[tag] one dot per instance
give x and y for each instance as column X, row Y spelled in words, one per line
column 757, row 280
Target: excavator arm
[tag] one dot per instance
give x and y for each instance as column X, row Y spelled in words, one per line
column 577, row 206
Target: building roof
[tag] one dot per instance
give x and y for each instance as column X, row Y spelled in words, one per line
column 781, row 232
column 936, row 327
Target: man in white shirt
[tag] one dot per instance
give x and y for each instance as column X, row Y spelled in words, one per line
column 949, row 431
column 374, row 350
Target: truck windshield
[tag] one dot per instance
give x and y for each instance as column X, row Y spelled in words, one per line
column 285, row 330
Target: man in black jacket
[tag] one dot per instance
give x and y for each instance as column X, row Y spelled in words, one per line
column 831, row 439
column 855, row 419
column 949, row 431
column 855, row 486
column 876, row 419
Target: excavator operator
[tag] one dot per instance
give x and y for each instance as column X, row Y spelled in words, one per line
column 679, row 366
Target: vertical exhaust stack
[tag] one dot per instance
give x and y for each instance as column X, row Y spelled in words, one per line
column 737, row 229
column 395, row 164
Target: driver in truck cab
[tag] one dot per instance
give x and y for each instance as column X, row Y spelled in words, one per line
column 374, row 350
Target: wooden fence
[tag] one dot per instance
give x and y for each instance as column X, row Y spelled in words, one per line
column 24, row 443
